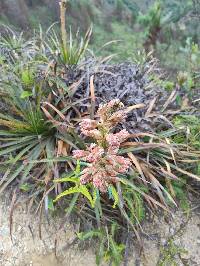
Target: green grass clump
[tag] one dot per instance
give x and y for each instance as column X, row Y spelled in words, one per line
column 169, row 254
column 192, row 125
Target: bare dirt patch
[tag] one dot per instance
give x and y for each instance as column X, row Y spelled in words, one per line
column 27, row 249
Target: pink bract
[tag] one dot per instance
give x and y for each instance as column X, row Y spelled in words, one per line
column 104, row 163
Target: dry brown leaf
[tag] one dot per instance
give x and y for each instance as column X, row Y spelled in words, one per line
column 188, row 173
column 75, row 85
column 137, row 165
column 150, row 108
column 48, row 177
column 92, row 94
column 185, row 103
column 92, row 90
column 60, row 148
column 136, row 106
column 171, row 98
column 49, row 66
column 55, row 109
column 171, row 150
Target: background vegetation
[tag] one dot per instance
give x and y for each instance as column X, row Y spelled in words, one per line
column 168, row 26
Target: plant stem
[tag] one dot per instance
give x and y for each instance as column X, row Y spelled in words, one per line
column 63, row 5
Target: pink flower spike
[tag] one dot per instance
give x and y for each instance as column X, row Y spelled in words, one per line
column 79, row 154
column 85, row 178
column 113, row 140
column 122, row 135
column 88, row 124
column 100, row 184
column 104, row 109
column 104, row 164
column 95, row 154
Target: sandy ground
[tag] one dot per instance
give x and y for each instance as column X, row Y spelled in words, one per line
column 27, row 249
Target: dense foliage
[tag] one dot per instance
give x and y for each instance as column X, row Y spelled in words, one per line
column 62, row 143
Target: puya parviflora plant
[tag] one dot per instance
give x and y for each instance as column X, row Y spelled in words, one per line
column 103, row 176
column 97, row 181
column 153, row 22
column 30, row 128
column 103, row 164
column 44, row 56
column 190, row 136
column 67, row 49
column 14, row 45
column 33, row 133
column 111, row 162
column 190, row 78
column 29, row 131
column 26, row 135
